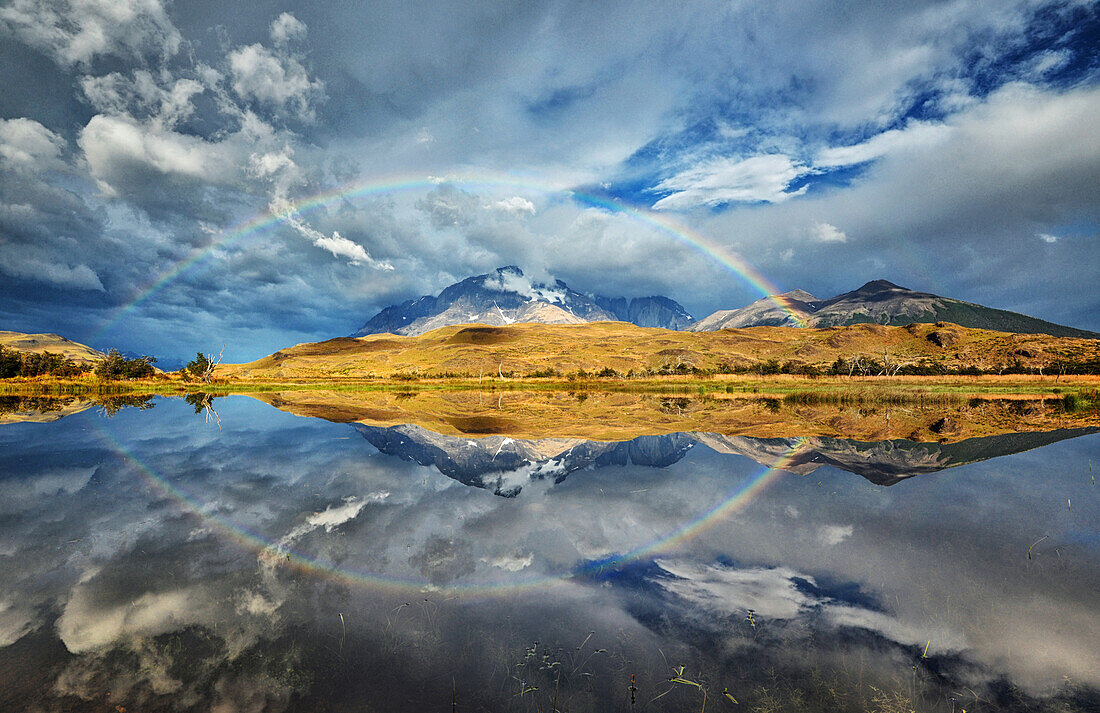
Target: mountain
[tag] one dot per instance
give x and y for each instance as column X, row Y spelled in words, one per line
column 776, row 311
column 879, row 302
column 507, row 296
column 656, row 311
column 53, row 343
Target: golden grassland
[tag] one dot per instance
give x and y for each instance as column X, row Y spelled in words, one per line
column 609, row 416
column 478, row 351
column 568, row 358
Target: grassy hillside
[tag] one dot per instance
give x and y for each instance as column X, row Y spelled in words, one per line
column 473, row 351
column 53, row 343
column 974, row 315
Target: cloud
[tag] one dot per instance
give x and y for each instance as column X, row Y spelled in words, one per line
column 74, row 32
column 18, row 263
column 122, row 152
column 835, row 534
column 917, row 136
column 730, row 180
column 336, row 244
column 516, row 205
column 825, row 233
column 273, row 79
column 1048, row 238
column 141, row 93
column 29, row 147
column 511, row 281
column 287, row 28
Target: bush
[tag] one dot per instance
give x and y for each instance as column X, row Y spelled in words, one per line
column 199, row 366
column 14, row 363
column 116, row 366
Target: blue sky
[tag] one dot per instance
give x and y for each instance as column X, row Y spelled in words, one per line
column 947, row 146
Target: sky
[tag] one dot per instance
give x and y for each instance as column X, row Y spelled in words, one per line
column 175, row 177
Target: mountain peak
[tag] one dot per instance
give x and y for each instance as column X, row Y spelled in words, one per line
column 800, row 295
column 879, row 302
column 505, row 296
column 881, row 286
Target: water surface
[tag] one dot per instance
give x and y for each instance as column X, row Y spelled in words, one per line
column 157, row 560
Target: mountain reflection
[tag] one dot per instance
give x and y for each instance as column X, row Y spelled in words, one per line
column 504, row 464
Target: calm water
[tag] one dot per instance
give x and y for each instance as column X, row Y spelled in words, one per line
column 154, row 561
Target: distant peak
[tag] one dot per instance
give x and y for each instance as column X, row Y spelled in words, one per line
column 800, row 295
column 880, row 286
column 509, row 268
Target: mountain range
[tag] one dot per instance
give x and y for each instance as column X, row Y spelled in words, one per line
column 507, row 296
column 878, row 302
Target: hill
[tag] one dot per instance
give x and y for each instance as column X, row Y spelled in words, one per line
column 53, row 343
column 879, row 302
column 529, row 349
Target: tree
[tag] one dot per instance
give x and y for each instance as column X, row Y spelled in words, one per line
column 202, row 366
column 116, row 366
column 10, row 363
column 199, row 366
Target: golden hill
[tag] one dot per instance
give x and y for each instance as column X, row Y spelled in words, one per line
column 525, row 349
column 53, row 343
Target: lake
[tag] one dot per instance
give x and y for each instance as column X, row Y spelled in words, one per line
column 168, row 557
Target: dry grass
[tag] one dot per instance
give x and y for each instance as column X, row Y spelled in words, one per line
column 473, row 351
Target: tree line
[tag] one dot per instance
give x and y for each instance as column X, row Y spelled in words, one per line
column 14, row 363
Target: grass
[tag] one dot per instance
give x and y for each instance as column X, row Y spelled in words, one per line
column 1075, row 391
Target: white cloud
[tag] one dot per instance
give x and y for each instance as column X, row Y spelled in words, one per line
column 278, row 81
column 116, row 147
column 424, row 136
column 727, row 180
column 515, row 204
column 513, row 562
column 169, row 101
column 825, row 233
column 1048, row 238
column 287, row 28
column 336, row 244
column 27, row 146
column 78, row 31
column 835, row 534
column 917, row 135
column 510, row 281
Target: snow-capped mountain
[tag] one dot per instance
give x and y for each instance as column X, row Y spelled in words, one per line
column 507, row 296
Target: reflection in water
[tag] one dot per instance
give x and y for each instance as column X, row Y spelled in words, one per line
column 505, row 464
column 155, row 562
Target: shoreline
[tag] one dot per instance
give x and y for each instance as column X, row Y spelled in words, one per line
column 904, row 387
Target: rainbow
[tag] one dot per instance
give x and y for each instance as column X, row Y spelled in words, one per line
column 298, row 561
column 266, row 222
